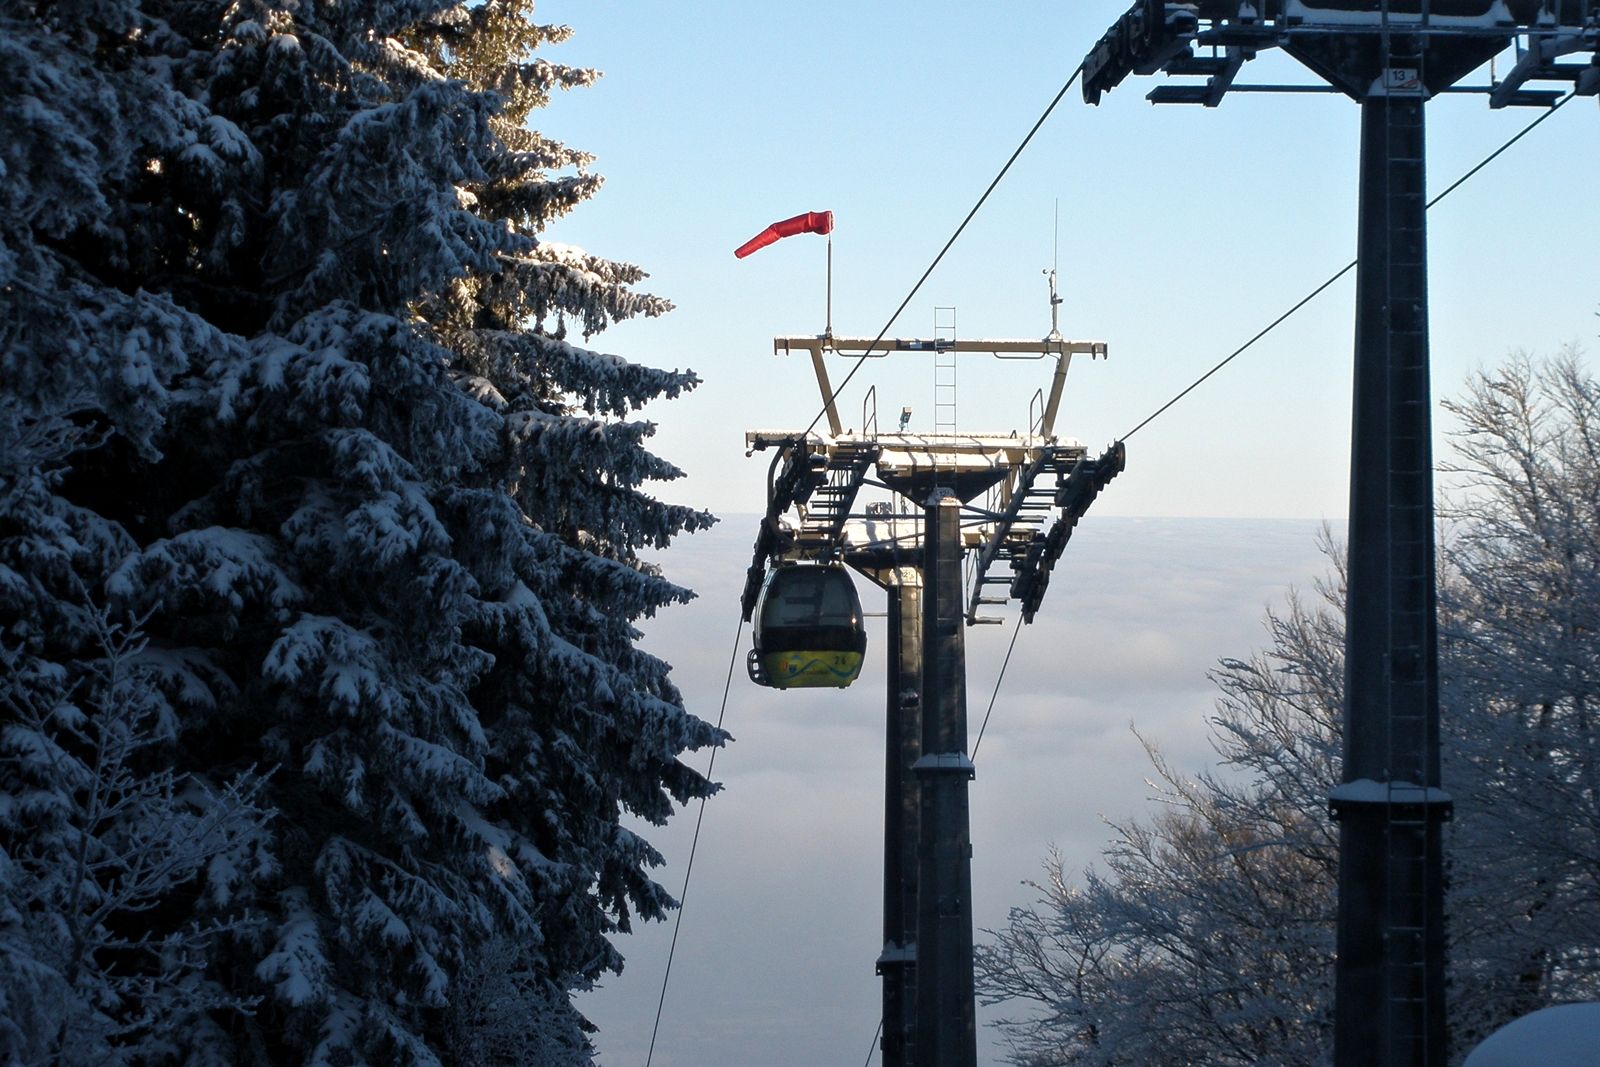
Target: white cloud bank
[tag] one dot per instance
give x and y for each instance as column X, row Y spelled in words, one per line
column 783, row 916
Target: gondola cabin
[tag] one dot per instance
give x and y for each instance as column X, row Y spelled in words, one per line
column 809, row 631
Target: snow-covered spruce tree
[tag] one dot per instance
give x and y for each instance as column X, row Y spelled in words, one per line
column 1207, row 937
column 99, row 837
column 270, row 282
column 115, row 865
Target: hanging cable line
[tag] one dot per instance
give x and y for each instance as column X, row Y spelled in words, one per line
column 936, row 259
column 1346, row 269
column 678, row 922
column 728, row 683
column 874, row 1046
column 694, row 844
column 1003, row 665
column 1263, row 333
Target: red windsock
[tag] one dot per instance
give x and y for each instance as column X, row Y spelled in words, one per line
column 810, row 222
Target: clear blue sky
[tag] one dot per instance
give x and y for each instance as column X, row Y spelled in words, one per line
column 1183, row 231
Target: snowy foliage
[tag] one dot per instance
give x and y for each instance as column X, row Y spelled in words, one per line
column 318, row 541
column 1207, row 936
column 1520, row 626
column 98, row 837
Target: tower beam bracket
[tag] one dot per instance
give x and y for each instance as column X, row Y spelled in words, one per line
column 1211, row 40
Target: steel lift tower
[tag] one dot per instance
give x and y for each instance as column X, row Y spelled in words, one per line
column 942, row 498
column 1391, row 56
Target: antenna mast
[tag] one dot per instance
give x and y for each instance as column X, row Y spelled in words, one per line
column 1055, row 265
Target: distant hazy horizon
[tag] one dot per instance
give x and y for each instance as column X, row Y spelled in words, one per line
column 783, row 916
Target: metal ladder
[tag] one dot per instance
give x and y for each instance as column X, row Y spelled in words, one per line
column 1407, row 930
column 1407, row 833
column 1029, row 505
column 944, row 370
column 831, row 502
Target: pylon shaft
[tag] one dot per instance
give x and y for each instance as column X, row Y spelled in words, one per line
column 946, row 1031
column 903, row 745
column 1389, row 975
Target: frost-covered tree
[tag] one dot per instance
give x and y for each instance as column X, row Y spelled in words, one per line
column 1207, row 935
column 1522, row 633
column 287, row 382
column 97, row 836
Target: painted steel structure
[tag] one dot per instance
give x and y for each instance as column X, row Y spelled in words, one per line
column 1391, row 56
column 911, row 541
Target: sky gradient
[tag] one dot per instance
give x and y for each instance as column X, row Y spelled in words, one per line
column 1182, row 232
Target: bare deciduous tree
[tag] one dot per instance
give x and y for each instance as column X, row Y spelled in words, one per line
column 1206, row 936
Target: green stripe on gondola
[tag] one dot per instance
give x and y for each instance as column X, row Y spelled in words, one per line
column 811, row 670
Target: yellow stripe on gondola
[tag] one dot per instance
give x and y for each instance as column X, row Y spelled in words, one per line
column 811, row 670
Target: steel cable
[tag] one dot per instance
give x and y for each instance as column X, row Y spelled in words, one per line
column 727, row 686
column 1346, row 269
column 947, row 245
column 694, row 844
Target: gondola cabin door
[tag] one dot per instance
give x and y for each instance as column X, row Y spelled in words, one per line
column 809, row 631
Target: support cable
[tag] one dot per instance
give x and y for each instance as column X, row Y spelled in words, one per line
column 1458, row 183
column 936, row 259
column 1003, row 665
column 688, row 870
column 1016, row 631
column 874, row 1046
column 1346, row 269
